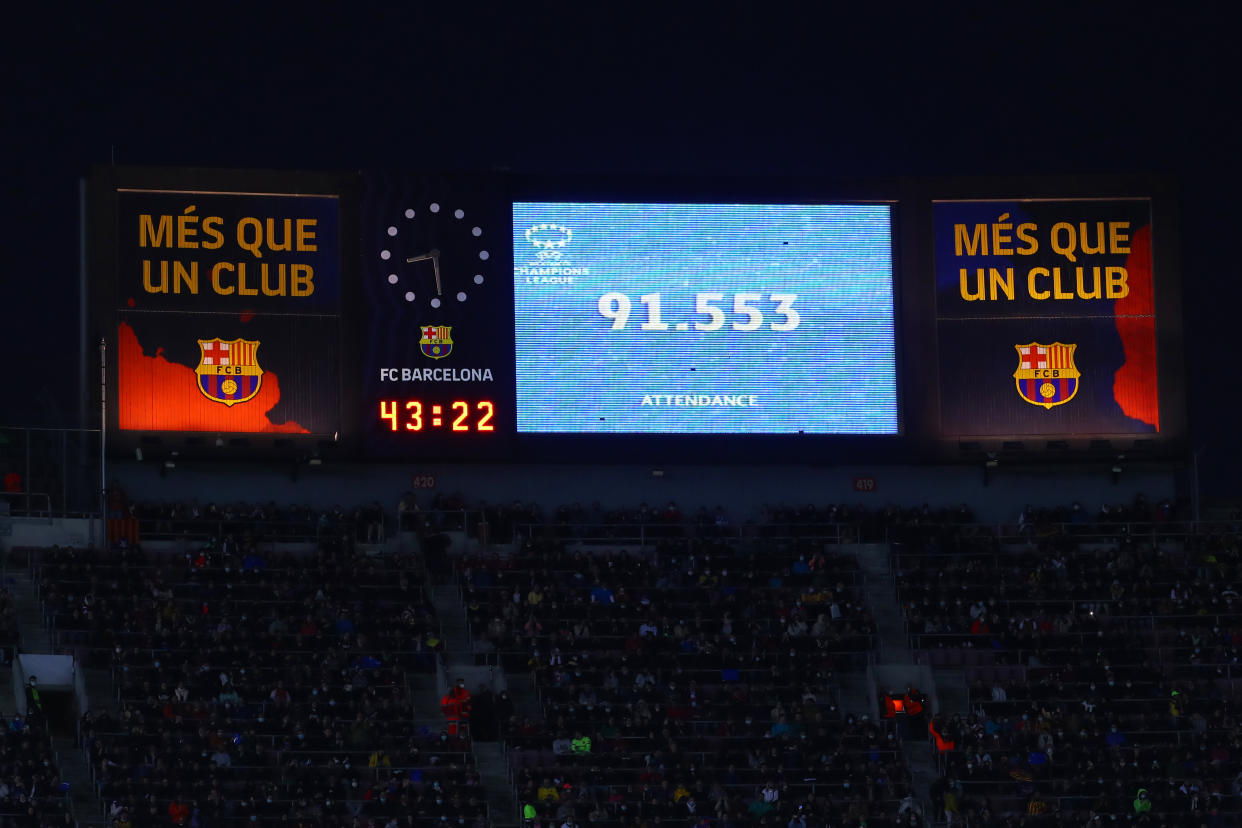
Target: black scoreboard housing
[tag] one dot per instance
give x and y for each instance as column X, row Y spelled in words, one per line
column 368, row 199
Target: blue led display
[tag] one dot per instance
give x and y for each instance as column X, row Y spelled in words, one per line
column 704, row 318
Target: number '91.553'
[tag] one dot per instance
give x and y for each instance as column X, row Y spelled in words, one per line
column 750, row 312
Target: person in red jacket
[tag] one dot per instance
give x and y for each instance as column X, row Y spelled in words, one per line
column 943, row 744
column 915, row 702
column 455, row 705
column 179, row 812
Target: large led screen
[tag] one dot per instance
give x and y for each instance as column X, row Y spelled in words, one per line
column 1046, row 318
column 227, row 311
column 704, row 318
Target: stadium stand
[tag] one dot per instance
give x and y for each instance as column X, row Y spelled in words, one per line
column 1101, row 659
column 682, row 669
column 31, row 790
column 258, row 687
column 685, row 678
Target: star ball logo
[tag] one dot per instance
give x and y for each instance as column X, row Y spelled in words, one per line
column 550, row 240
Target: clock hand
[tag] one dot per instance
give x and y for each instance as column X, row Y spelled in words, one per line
column 434, row 255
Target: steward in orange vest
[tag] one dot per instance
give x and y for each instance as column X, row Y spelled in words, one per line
column 455, row 704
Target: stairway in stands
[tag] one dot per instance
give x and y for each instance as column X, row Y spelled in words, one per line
column 460, row 662
column 894, row 666
column 75, row 769
column 34, row 637
column 493, row 767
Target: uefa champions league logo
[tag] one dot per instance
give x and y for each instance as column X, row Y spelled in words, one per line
column 549, row 241
column 550, row 265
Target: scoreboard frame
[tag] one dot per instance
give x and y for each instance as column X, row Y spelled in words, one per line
column 925, row 404
column 102, row 193
column 919, row 438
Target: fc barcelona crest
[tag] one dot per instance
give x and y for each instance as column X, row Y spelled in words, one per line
column 228, row 370
column 436, row 342
column 1046, row 374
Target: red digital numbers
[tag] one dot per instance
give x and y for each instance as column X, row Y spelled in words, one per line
column 864, row 484
column 458, row 416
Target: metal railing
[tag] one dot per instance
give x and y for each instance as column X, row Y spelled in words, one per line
column 866, row 529
column 61, row 464
column 1094, row 530
column 646, row 532
column 27, row 504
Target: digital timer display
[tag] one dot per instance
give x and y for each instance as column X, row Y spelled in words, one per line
column 704, row 318
column 458, row 416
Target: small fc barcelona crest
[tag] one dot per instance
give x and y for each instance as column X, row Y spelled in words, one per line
column 436, row 342
column 228, row 370
column 1046, row 374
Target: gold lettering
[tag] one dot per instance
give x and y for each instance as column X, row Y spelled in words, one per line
column 1084, row 238
column 306, row 235
column 211, row 227
column 1026, row 233
column 1030, row 283
column 1117, row 285
column 187, row 228
column 964, row 288
column 1094, row 293
column 216, row 285
column 242, row 290
column 302, row 279
column 279, row 289
column 272, row 243
column 187, row 277
column 252, row 241
column 1068, row 245
column 1005, row 283
column 974, row 244
column 1001, row 237
column 1057, row 291
column 1118, row 241
column 156, row 237
column 147, row 284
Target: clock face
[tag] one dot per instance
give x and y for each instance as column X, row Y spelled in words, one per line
column 435, row 255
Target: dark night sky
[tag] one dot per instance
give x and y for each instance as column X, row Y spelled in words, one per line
column 745, row 89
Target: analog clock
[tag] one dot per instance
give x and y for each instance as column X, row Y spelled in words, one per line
column 435, row 255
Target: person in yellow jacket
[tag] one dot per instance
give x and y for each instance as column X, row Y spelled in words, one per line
column 547, row 792
column 1142, row 802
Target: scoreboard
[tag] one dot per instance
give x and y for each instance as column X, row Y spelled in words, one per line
column 446, row 317
column 1061, row 294
column 663, row 318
